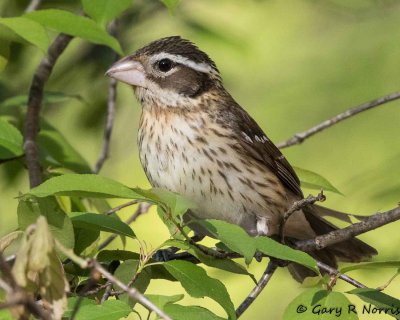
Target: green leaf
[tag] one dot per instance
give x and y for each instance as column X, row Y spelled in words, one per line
column 93, row 221
column 171, row 5
column 319, row 304
column 29, row 209
column 74, row 25
column 178, row 312
column 103, row 11
column 28, row 29
column 121, row 255
column 233, row 236
column 5, row 314
column 170, row 225
column 312, row 180
column 109, row 310
column 237, row 240
column 371, row 265
column 10, row 141
column 56, row 151
column 162, row 301
column 389, row 304
column 177, row 203
column 83, row 185
column 338, row 303
column 48, row 98
column 198, row 284
column 72, row 302
column 4, row 53
column 126, row 271
column 84, row 238
column 158, row 271
column 275, row 249
column 222, row 264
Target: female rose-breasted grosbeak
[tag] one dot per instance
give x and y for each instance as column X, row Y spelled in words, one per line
column 196, row 140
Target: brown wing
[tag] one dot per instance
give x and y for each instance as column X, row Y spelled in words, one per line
column 255, row 142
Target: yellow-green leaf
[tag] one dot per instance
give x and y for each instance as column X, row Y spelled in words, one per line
column 198, row 284
column 103, row 11
column 84, row 185
column 93, row 221
column 74, row 25
column 312, row 180
column 28, row 29
column 10, row 141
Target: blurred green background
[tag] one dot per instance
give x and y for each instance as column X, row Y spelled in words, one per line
column 290, row 64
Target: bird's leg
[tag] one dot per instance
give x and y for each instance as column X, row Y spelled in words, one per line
column 164, row 255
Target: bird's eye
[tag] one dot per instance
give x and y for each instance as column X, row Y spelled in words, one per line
column 165, row 65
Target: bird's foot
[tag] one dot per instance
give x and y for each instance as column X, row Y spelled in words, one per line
column 164, row 255
column 279, row 262
column 258, row 256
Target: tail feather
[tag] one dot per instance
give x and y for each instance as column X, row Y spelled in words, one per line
column 351, row 250
column 300, row 272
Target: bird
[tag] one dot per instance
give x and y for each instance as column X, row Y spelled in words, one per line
column 196, row 140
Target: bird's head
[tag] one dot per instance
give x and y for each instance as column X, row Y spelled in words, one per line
column 169, row 72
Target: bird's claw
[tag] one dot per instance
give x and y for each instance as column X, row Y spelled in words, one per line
column 164, row 255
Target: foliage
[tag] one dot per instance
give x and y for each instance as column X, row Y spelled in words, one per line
column 62, row 217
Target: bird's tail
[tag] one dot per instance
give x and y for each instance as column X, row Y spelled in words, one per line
column 352, row 250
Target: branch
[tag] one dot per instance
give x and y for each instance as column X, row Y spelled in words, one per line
column 96, row 267
column 143, row 208
column 124, row 205
column 269, row 271
column 107, row 292
column 33, row 5
column 112, row 97
column 370, row 223
column 132, row 292
column 32, row 121
column 297, row 206
column 298, row 138
column 335, row 272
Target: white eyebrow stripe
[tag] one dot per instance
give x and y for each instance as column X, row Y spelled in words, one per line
column 202, row 67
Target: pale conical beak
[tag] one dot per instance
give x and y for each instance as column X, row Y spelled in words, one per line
column 128, row 71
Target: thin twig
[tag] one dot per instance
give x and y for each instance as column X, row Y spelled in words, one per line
column 298, row 138
column 32, row 121
column 96, row 290
column 269, row 271
column 132, row 292
column 143, row 208
column 33, row 5
column 342, row 276
column 7, row 274
column 384, row 286
column 107, row 292
column 97, row 271
column 112, row 96
column 297, row 206
column 124, row 205
column 111, row 103
column 370, row 223
column 13, row 301
column 5, row 286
